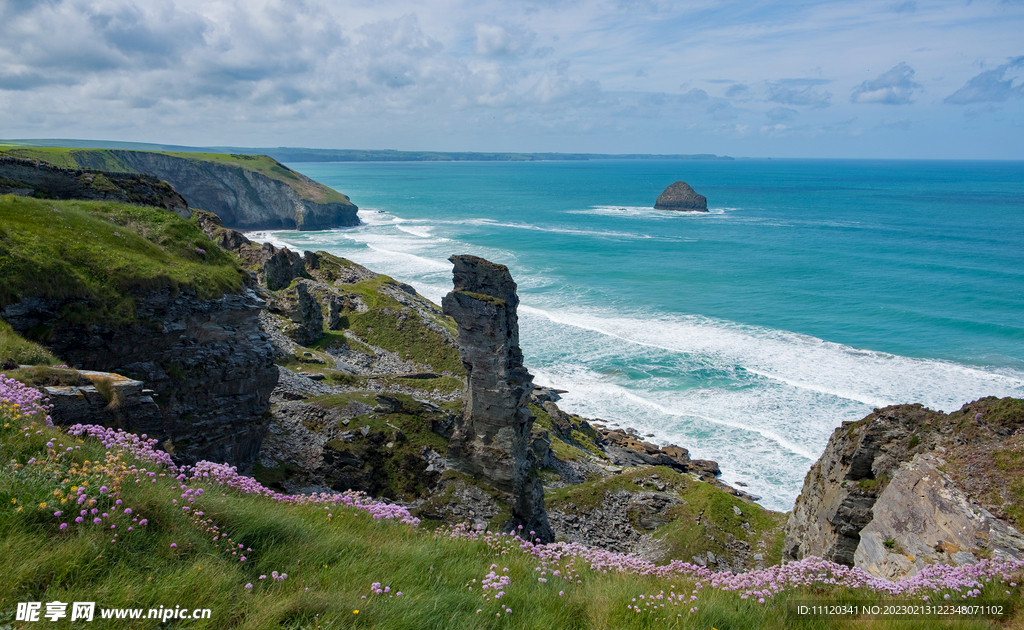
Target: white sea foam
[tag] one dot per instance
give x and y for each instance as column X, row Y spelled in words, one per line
column 761, row 402
column 422, row 231
column 871, row 378
column 647, row 212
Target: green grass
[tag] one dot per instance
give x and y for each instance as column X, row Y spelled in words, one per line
column 581, row 437
column 108, row 160
column 330, row 562
column 96, row 256
column 705, row 521
column 22, row 351
column 45, row 376
column 389, row 325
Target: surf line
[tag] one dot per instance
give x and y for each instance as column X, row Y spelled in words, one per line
column 782, row 443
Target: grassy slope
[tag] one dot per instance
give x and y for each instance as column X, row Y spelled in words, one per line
column 107, row 160
column 99, row 253
column 330, row 560
column 23, row 352
column 392, row 326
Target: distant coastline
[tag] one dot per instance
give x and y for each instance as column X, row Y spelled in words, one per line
column 298, row 154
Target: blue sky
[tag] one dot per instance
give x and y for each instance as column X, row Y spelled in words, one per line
column 894, row 78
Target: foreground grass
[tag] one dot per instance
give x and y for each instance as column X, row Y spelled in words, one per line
column 331, row 554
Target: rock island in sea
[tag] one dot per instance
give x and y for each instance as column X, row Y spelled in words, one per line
column 680, row 196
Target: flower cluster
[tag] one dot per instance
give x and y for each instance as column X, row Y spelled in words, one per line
column 377, row 589
column 18, row 401
column 557, row 560
column 224, row 475
column 493, row 584
column 655, row 605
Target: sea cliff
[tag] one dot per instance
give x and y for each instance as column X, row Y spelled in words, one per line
column 248, row 192
column 907, row 487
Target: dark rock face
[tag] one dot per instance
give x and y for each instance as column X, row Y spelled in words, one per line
column 39, row 179
column 492, row 437
column 679, row 196
column 243, row 199
column 207, row 361
column 281, row 266
column 610, row 526
column 300, row 305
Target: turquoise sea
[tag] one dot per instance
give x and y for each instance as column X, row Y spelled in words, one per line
column 813, row 291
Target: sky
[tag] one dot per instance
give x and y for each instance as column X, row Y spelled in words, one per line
column 817, row 79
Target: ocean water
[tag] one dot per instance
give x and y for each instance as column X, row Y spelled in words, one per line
column 812, row 292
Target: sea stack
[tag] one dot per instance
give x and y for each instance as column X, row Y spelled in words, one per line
column 491, row 438
column 679, row 196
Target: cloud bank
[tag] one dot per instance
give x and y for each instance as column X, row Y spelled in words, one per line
column 608, row 76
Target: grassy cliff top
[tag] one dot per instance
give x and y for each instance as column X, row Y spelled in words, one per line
column 258, row 560
column 112, row 160
column 96, row 255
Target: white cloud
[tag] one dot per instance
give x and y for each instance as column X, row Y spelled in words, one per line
column 992, row 86
column 895, row 87
column 493, row 40
column 493, row 75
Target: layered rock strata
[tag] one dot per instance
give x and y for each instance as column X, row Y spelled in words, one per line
column 679, row 196
column 886, row 495
column 207, row 360
column 492, row 436
column 243, row 199
column 103, row 398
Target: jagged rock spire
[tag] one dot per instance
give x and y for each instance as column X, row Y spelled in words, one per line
column 491, row 437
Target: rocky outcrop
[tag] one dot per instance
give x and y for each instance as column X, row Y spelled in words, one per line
column 922, row 518
column 33, row 178
column 887, row 495
column 244, row 199
column 492, row 436
column 679, row 196
column 619, row 524
column 206, row 360
column 102, row 398
column 300, row 306
column 625, row 448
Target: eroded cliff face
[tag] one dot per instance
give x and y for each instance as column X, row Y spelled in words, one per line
column 243, row 199
column 207, row 361
column 889, row 494
column 491, row 438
